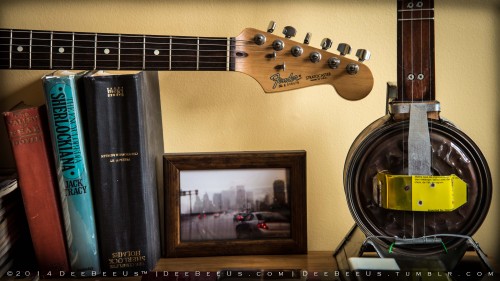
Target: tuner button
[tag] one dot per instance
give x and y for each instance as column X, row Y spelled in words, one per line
column 297, row 51
column 289, row 31
column 363, row 54
column 315, row 57
column 344, row 49
column 352, row 68
column 278, row 45
column 308, row 38
column 333, row 62
column 271, row 27
column 326, row 44
column 259, row 39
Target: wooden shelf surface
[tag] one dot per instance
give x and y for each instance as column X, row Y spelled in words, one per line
column 313, row 261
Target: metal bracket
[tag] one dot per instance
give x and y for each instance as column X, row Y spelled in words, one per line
column 419, row 141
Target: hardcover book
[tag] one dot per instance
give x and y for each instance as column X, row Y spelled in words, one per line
column 124, row 116
column 30, row 140
column 62, row 95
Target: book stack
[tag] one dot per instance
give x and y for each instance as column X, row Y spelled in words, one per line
column 89, row 165
column 12, row 223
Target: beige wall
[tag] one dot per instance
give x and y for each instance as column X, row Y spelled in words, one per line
column 229, row 111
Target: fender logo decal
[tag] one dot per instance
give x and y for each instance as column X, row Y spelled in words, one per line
column 279, row 82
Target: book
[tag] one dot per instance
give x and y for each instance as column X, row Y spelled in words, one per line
column 62, row 94
column 125, row 150
column 30, row 141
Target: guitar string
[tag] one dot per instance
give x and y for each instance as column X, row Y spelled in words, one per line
column 411, row 91
column 430, row 81
column 421, row 72
column 402, row 15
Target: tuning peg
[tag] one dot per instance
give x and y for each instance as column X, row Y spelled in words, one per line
column 363, row 54
column 308, row 38
column 289, row 31
column 271, row 27
column 326, row 44
column 344, row 49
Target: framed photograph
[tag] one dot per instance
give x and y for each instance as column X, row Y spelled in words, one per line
column 236, row 203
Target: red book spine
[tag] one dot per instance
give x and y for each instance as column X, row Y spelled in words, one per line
column 29, row 137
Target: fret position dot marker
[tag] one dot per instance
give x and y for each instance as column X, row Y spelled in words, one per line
column 106, row 51
column 61, row 50
column 156, row 52
column 20, row 48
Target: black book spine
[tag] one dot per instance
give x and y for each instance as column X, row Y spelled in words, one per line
column 126, row 144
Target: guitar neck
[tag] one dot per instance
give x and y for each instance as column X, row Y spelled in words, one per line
column 416, row 80
column 35, row 49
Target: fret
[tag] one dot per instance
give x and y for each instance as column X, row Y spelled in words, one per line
column 416, row 15
column 197, row 53
column 228, row 54
column 10, row 50
column 183, row 53
column 95, row 51
column 143, row 51
column 20, row 49
column 5, row 48
column 107, row 51
column 170, row 54
column 131, row 52
column 157, row 52
column 72, row 50
column 40, row 50
column 83, row 51
column 414, row 19
column 51, row 45
column 119, row 50
column 213, row 54
column 31, row 44
column 62, row 50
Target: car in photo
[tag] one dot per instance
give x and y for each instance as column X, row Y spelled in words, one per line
column 258, row 225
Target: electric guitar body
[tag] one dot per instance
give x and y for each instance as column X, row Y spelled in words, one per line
column 397, row 166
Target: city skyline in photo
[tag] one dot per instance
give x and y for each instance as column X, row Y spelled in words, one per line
column 223, row 190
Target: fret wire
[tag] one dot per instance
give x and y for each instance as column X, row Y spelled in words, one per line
column 10, row 50
column 170, row 54
column 95, row 52
column 228, row 52
column 31, row 40
column 51, row 38
column 73, row 51
column 144, row 52
column 198, row 53
column 412, row 19
column 411, row 10
column 119, row 50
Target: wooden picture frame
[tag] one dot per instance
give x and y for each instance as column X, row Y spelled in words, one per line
column 196, row 165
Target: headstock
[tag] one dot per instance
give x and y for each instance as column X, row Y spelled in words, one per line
column 281, row 64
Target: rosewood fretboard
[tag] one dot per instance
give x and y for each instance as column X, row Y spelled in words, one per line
column 416, row 50
column 35, row 49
